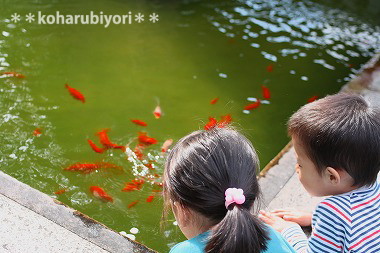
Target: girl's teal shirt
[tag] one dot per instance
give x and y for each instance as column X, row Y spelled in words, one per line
column 275, row 244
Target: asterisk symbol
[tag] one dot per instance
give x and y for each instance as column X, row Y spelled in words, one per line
column 139, row 17
column 15, row 17
column 30, row 17
column 153, row 17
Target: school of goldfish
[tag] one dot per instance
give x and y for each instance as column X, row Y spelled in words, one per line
column 143, row 141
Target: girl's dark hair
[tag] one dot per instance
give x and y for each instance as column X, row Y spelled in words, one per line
column 198, row 171
column 341, row 131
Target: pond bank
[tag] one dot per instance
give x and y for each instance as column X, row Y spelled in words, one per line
column 35, row 222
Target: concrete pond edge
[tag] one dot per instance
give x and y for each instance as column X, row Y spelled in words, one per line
column 68, row 218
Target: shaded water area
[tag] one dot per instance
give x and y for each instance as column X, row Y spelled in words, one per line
column 195, row 52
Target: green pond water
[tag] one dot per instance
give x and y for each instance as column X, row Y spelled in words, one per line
column 195, row 52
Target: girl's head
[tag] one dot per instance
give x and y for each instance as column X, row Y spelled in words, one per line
column 199, row 170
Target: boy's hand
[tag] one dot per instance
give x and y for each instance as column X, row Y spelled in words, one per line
column 274, row 221
column 300, row 217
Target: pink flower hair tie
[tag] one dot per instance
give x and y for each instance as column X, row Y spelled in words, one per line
column 234, row 195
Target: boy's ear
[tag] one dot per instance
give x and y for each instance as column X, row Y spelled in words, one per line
column 333, row 176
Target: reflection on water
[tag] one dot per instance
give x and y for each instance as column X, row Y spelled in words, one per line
column 197, row 52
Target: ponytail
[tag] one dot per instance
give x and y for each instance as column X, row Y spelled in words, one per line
column 238, row 232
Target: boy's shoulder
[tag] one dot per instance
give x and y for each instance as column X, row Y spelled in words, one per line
column 344, row 206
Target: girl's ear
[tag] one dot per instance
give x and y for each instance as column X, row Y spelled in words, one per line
column 333, row 176
column 181, row 213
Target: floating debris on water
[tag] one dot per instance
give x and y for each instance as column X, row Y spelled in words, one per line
column 222, row 75
column 134, row 230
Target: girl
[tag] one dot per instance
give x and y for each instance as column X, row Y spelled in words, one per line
column 210, row 183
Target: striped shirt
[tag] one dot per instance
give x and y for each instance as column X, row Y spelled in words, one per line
column 348, row 222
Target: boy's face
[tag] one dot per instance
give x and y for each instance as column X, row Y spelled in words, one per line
column 308, row 175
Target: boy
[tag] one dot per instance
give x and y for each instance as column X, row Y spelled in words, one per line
column 337, row 143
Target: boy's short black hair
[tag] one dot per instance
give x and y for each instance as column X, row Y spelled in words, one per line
column 340, row 131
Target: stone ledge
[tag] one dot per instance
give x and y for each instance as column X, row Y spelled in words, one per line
column 88, row 229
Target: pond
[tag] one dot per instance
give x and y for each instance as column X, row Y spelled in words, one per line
column 180, row 55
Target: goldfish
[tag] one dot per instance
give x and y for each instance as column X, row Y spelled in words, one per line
column 150, row 198
column 211, row 123
column 75, row 93
column 214, row 101
column 100, row 193
column 14, row 74
column 149, row 165
column 135, row 184
column 37, row 132
column 157, row 112
column 139, row 122
column 270, row 68
column 166, row 145
column 94, row 147
column 61, row 191
column 312, row 99
column 252, row 105
column 105, row 141
column 266, row 92
column 146, row 140
column 138, row 151
column 132, row 204
column 225, row 120
column 90, row 167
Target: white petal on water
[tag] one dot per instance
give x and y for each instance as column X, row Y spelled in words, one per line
column 130, row 236
column 265, row 102
column 222, row 75
column 304, row 78
column 251, row 99
column 134, row 230
column 246, row 112
column 175, row 223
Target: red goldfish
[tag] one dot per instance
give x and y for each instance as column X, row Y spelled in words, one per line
column 14, row 74
column 266, row 92
column 135, row 184
column 37, row 132
column 138, row 151
column 60, row 191
column 214, row 101
column 270, row 68
column 150, row 198
column 312, row 99
column 103, row 136
column 225, row 120
column 100, row 193
column 75, row 93
column 90, row 167
column 211, row 123
column 252, row 105
column 157, row 112
column 146, row 140
column 166, row 145
column 132, row 204
column 149, row 165
column 95, row 148
column 139, row 122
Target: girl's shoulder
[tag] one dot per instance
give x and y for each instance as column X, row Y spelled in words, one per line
column 276, row 243
column 193, row 245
